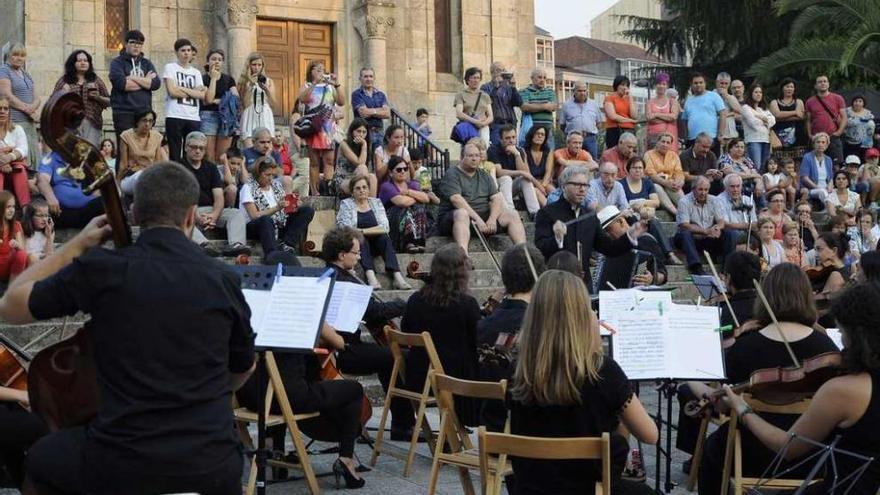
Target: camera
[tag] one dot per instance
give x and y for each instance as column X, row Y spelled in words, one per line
column 261, row 79
column 327, row 78
column 507, row 75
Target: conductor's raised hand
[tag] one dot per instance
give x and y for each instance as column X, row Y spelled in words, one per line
column 97, row 232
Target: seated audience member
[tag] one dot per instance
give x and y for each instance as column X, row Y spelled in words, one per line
column 618, row 270
column 467, row 196
column 776, row 179
column 263, row 146
column 13, row 155
column 771, row 250
column 405, row 206
column 539, row 158
column 108, row 153
column 392, row 145
column 845, row 409
column 274, row 217
column 234, row 175
column 563, row 386
column 572, row 154
column 353, row 157
column 210, row 212
column 663, row 166
column 444, row 309
column 139, row 147
column 68, row 205
column 793, row 174
column 735, row 161
column 699, row 160
column 39, row 230
column 817, row 170
column 485, row 163
column 620, row 154
column 367, row 215
column 701, row 226
column 842, row 199
column 776, row 212
column 863, row 237
column 738, row 210
column 512, row 171
column 13, row 251
column 795, row 251
column 422, row 174
column 869, row 176
column 606, row 190
column 643, row 200
column 580, row 237
column 787, row 290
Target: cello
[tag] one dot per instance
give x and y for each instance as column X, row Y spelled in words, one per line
column 61, row 380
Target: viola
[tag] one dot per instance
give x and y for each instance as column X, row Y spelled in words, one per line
column 13, row 365
column 329, row 371
column 492, row 302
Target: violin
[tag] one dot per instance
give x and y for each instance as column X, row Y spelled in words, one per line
column 13, row 365
column 62, row 381
column 413, row 272
column 329, row 371
column 820, row 272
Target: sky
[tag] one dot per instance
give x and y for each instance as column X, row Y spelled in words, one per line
column 565, row 18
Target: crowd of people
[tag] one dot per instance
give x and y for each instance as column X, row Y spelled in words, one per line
column 709, row 159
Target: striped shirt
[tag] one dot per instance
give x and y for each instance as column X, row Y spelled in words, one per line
column 544, row 95
column 22, row 88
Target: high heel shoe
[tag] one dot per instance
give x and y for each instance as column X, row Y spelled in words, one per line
column 341, row 470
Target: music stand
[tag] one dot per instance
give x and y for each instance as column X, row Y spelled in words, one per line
column 708, row 286
column 258, row 277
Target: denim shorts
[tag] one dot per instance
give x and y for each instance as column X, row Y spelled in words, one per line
column 211, row 124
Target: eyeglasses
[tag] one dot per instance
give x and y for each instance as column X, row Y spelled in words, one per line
column 356, row 253
column 400, row 169
column 195, row 148
column 579, row 185
column 41, row 215
column 148, row 121
column 135, row 42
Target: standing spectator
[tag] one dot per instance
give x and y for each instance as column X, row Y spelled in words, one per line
column 730, row 125
column 108, row 152
column 663, row 166
column 68, row 204
column 582, row 115
column 273, row 216
column 79, row 77
column 139, row 148
column 367, row 214
column 606, row 190
column 257, row 92
column 572, row 155
column 512, row 170
column 133, row 79
column 817, row 169
column 505, row 97
column 18, row 88
column 320, row 91
column 662, row 112
column 826, row 112
column 473, row 104
column 405, row 204
column 539, row 103
column 352, row 158
column 13, row 155
column 701, row 226
column 468, row 195
column 788, row 110
column 736, row 162
column 210, row 212
column 392, row 145
column 219, row 86
column 738, row 90
column 620, row 111
column 371, row 105
column 859, row 128
column 700, row 160
column 757, row 122
column 13, row 250
column 626, row 148
column 183, row 92
column 704, row 111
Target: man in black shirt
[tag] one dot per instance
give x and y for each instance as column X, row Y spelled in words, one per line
column 171, row 338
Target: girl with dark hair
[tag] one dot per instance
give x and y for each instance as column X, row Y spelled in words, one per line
column 843, row 199
column 39, row 230
column 405, row 204
column 539, row 158
column 353, row 157
column 218, row 84
column 392, row 144
column 788, row 110
column 831, row 272
column 757, row 124
column 139, row 148
column 846, row 407
column 620, row 111
column 79, row 77
column 108, row 152
column 444, row 309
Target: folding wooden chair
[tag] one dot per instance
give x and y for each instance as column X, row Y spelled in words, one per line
column 698, row 450
column 244, row 416
column 733, row 450
column 542, row 448
column 396, row 342
column 461, row 452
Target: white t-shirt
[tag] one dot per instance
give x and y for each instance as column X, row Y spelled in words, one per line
column 36, row 243
column 245, row 195
column 190, row 78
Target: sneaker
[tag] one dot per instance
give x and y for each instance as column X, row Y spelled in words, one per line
column 634, row 470
column 209, row 249
column 235, row 249
column 672, row 259
column 287, row 248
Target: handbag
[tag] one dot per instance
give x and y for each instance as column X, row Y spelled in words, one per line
column 775, row 142
column 464, row 131
column 313, row 119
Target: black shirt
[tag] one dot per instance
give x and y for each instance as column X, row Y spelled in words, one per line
column 497, row 154
column 743, row 304
column 223, row 85
column 208, row 178
column 168, row 326
column 507, row 318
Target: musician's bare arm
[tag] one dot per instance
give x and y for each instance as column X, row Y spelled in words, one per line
column 237, row 380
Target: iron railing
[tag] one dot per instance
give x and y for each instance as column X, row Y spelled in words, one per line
column 436, row 159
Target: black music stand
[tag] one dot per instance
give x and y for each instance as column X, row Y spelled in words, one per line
column 259, row 277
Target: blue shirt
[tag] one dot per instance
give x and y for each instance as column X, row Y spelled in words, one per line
column 360, row 98
column 582, row 117
column 251, row 155
column 701, row 113
column 505, row 97
column 68, row 191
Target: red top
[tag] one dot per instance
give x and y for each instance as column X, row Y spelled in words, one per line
column 621, row 106
column 820, row 119
column 7, row 236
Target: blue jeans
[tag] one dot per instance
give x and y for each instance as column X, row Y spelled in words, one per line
column 591, row 144
column 693, row 247
column 759, row 153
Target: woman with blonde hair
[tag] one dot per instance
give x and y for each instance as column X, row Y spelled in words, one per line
column 18, row 87
column 257, row 96
column 565, row 387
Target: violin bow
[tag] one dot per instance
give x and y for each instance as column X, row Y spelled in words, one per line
column 723, row 293
column 486, row 246
column 766, row 304
column 529, row 259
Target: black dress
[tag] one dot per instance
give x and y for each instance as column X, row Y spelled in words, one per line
column 454, row 331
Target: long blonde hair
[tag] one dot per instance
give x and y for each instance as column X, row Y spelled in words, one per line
column 10, row 125
column 559, row 345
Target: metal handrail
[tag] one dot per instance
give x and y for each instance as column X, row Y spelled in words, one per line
column 436, row 159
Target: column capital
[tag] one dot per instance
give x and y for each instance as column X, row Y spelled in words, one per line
column 241, row 13
column 374, row 18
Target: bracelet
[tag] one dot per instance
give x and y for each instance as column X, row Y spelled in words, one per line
column 745, row 412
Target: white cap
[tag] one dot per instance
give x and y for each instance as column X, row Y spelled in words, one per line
column 852, row 159
column 607, row 215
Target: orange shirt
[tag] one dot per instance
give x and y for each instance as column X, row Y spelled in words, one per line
column 669, row 165
column 581, row 156
column 621, row 106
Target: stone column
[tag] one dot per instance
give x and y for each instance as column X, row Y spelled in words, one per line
column 374, row 18
column 241, row 16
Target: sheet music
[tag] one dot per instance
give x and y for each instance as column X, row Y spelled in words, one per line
column 292, row 316
column 348, row 303
column 257, row 300
column 695, row 344
column 613, row 304
column 836, row 336
column 639, row 346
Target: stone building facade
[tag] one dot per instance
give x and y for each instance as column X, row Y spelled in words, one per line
column 419, row 48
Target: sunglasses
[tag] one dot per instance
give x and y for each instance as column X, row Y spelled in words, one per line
column 400, row 169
